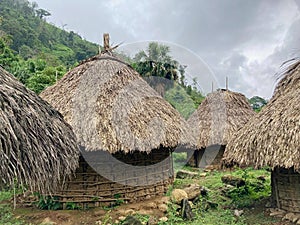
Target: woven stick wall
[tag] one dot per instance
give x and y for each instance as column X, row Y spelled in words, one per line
column 286, row 189
column 118, row 182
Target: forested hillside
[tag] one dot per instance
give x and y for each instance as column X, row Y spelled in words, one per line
column 37, row 52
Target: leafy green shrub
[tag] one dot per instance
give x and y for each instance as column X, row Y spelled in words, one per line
column 118, row 201
column 48, row 202
column 72, row 206
column 253, row 190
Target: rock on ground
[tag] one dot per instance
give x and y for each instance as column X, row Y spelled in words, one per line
column 182, row 174
column 277, row 212
column 163, row 219
column 152, row 221
column 291, row 217
column 163, row 208
column 177, row 195
column 193, row 191
column 130, row 220
column 47, row 221
column 238, row 213
column 234, row 181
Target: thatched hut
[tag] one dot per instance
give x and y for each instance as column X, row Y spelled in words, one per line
column 125, row 129
column 37, row 147
column 272, row 138
column 218, row 117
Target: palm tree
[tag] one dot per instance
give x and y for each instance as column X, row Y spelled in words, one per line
column 156, row 61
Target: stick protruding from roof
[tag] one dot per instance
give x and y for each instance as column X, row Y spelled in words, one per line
column 119, row 112
column 106, row 46
column 106, row 42
column 226, row 83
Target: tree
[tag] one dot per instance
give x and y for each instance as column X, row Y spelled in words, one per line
column 156, row 61
column 42, row 13
column 6, row 55
column 257, row 103
column 166, row 76
column 34, row 51
column 34, row 5
column 25, row 52
column 42, row 79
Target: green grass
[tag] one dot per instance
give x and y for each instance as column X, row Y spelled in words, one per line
column 6, row 210
column 256, row 194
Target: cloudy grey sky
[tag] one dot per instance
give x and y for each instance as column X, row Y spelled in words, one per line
column 244, row 40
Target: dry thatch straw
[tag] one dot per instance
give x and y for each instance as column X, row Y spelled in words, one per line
column 37, row 147
column 218, row 117
column 272, row 137
column 111, row 108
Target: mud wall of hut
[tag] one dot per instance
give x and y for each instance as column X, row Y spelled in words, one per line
column 103, row 179
column 286, row 189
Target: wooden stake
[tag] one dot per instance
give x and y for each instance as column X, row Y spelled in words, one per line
column 212, row 87
column 106, row 42
column 15, row 199
column 226, row 83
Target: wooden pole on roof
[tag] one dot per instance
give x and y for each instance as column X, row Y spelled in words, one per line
column 106, row 42
column 226, row 83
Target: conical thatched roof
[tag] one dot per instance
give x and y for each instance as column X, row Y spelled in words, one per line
column 37, row 147
column 218, row 117
column 111, row 108
column 272, row 137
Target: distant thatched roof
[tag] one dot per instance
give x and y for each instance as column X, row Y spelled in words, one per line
column 218, row 117
column 111, row 108
column 272, row 137
column 37, row 147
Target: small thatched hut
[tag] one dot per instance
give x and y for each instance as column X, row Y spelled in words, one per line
column 125, row 129
column 218, row 117
column 272, row 138
column 37, row 147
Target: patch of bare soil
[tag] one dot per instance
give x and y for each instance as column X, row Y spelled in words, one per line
column 155, row 207
column 259, row 213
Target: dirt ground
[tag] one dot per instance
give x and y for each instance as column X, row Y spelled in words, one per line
column 92, row 216
column 259, row 212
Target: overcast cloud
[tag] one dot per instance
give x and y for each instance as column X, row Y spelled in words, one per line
column 244, row 40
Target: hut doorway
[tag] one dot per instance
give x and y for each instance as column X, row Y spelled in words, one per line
column 211, row 155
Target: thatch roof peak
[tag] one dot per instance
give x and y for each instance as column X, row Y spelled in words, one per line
column 38, row 148
column 111, row 108
column 272, row 137
column 106, row 46
column 218, row 117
